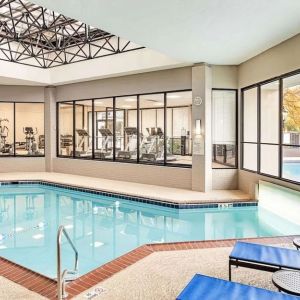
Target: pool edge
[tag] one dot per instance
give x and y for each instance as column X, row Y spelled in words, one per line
column 47, row 287
column 165, row 203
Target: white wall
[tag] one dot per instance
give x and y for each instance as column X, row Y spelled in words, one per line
column 167, row 80
column 225, row 77
column 21, row 93
column 20, row 164
column 278, row 60
column 156, row 175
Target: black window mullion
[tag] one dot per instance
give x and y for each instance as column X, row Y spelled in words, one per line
column 236, row 129
column 93, row 128
column 242, row 131
column 138, row 128
column 74, row 132
column 280, row 158
column 165, row 128
column 258, row 138
column 14, row 128
column 57, row 130
column 114, row 128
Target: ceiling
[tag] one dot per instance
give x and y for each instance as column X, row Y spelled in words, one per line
column 212, row 31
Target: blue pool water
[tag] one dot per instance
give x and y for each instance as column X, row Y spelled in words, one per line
column 291, row 171
column 104, row 228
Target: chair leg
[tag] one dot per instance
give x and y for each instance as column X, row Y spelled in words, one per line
column 229, row 271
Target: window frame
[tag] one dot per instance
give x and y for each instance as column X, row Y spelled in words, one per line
column 137, row 161
column 280, row 144
column 236, row 127
column 14, row 128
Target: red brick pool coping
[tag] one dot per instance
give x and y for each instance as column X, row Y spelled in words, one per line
column 47, row 287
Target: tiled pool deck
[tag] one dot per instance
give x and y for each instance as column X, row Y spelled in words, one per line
column 160, row 193
column 47, row 287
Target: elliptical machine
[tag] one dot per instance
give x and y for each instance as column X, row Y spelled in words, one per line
column 4, row 148
column 30, row 144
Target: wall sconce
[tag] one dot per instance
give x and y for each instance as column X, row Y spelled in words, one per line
column 197, row 127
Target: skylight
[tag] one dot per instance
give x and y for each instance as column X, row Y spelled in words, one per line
column 37, row 36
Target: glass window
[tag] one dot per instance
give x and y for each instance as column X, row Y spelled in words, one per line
column 250, row 119
column 6, row 129
column 83, row 130
column 269, row 159
column 279, row 129
column 250, row 157
column 114, row 129
column 250, row 115
column 103, row 128
column 290, row 163
column 269, row 110
column 152, row 128
column 224, row 128
column 291, row 128
column 291, row 110
column 126, row 128
column 65, row 119
column 30, row 138
column 179, row 119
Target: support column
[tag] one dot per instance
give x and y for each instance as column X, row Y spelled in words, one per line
column 50, row 127
column 201, row 119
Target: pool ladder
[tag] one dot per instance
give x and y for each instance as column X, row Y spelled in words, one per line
column 62, row 275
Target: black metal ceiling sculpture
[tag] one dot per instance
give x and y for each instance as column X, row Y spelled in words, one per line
column 36, row 36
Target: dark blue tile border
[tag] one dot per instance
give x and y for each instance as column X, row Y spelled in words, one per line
column 221, row 205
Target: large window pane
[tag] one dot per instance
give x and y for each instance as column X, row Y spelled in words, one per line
column 291, row 110
column 269, row 113
column 224, row 128
column 83, row 132
column 103, row 128
column 152, row 128
column 250, row 115
column 126, row 128
column 65, row 125
column 250, row 156
column 6, row 129
column 30, row 138
column 291, row 163
column 269, row 159
column 179, row 119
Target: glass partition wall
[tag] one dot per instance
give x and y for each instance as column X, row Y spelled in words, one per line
column 22, row 129
column 7, row 122
column 65, row 133
column 271, row 128
column 150, row 128
column 224, row 128
column 291, row 128
column 103, row 119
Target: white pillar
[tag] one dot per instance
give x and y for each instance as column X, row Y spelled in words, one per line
column 50, row 127
column 202, row 148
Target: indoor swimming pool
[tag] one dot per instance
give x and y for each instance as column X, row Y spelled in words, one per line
column 105, row 227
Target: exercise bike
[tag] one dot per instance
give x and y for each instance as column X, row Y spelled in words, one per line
column 30, row 144
column 4, row 148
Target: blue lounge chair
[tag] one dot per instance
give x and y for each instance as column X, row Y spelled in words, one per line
column 261, row 257
column 203, row 287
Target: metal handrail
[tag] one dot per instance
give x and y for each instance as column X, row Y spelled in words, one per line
column 61, row 293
